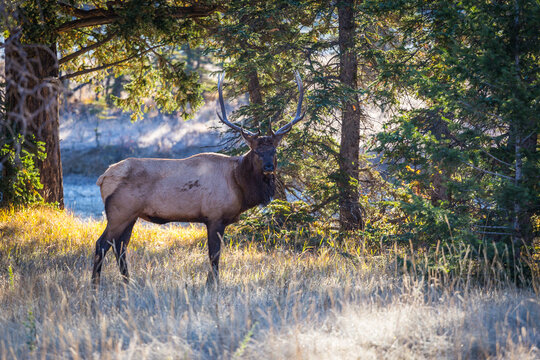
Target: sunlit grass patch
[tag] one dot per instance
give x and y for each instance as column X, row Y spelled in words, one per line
column 38, row 239
column 51, row 231
column 32, row 237
column 333, row 300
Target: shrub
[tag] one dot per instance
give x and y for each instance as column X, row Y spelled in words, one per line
column 20, row 176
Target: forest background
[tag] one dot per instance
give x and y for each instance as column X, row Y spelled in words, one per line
column 457, row 82
column 452, row 172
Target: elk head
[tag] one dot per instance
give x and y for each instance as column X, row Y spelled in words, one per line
column 263, row 147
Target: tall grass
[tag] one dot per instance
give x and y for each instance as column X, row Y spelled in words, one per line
column 277, row 303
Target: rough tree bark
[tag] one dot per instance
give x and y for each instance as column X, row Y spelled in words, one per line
column 254, row 89
column 32, row 106
column 350, row 211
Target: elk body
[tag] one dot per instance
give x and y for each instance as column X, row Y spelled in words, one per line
column 208, row 188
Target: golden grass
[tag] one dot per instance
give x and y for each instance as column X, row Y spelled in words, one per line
column 277, row 304
column 59, row 232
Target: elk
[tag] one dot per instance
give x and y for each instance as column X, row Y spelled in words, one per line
column 208, row 188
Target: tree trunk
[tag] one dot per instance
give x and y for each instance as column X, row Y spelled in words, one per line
column 524, row 138
column 254, row 89
column 32, row 107
column 350, row 211
column 529, row 148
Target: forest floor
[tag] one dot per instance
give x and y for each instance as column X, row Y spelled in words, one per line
column 335, row 302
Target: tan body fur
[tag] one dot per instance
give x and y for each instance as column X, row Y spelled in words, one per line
column 201, row 188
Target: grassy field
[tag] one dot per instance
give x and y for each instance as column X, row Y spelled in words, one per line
column 333, row 303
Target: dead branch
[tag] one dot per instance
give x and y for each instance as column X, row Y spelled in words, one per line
column 105, row 66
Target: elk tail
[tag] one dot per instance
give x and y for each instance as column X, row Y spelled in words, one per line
column 100, row 180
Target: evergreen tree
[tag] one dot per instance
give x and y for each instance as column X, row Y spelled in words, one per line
column 469, row 150
column 261, row 43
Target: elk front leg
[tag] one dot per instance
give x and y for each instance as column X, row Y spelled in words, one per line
column 215, row 234
column 102, row 246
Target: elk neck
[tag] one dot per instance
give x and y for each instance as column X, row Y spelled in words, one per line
column 257, row 188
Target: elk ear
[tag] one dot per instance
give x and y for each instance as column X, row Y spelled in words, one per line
column 277, row 139
column 251, row 140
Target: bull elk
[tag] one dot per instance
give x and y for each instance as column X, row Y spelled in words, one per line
column 208, row 188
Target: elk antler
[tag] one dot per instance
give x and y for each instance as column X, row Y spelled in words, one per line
column 224, row 118
column 285, row 129
column 272, row 119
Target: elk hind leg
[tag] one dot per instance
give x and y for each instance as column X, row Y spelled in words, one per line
column 120, row 248
column 119, row 237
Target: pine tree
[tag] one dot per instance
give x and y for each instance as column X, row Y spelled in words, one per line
column 469, row 151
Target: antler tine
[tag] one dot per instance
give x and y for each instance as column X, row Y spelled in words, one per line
column 224, row 114
column 285, row 129
column 270, row 130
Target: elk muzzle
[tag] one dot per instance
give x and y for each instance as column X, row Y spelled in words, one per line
column 268, row 169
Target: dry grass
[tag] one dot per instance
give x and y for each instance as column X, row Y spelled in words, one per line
column 273, row 304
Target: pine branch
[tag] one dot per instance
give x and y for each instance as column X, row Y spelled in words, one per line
column 527, row 137
column 86, row 22
column 495, row 158
column 317, row 207
column 492, row 227
column 105, row 66
column 490, row 233
column 85, row 49
column 487, row 171
column 96, row 17
column 83, row 14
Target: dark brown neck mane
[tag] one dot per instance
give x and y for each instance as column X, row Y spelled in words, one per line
column 257, row 188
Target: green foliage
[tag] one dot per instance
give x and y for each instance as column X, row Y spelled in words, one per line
column 11, row 277
column 260, row 40
column 166, row 82
column 20, row 178
column 40, row 20
column 285, row 225
column 464, row 152
column 447, row 262
column 279, row 215
column 142, row 43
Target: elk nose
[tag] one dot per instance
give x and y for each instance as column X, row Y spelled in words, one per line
column 268, row 168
